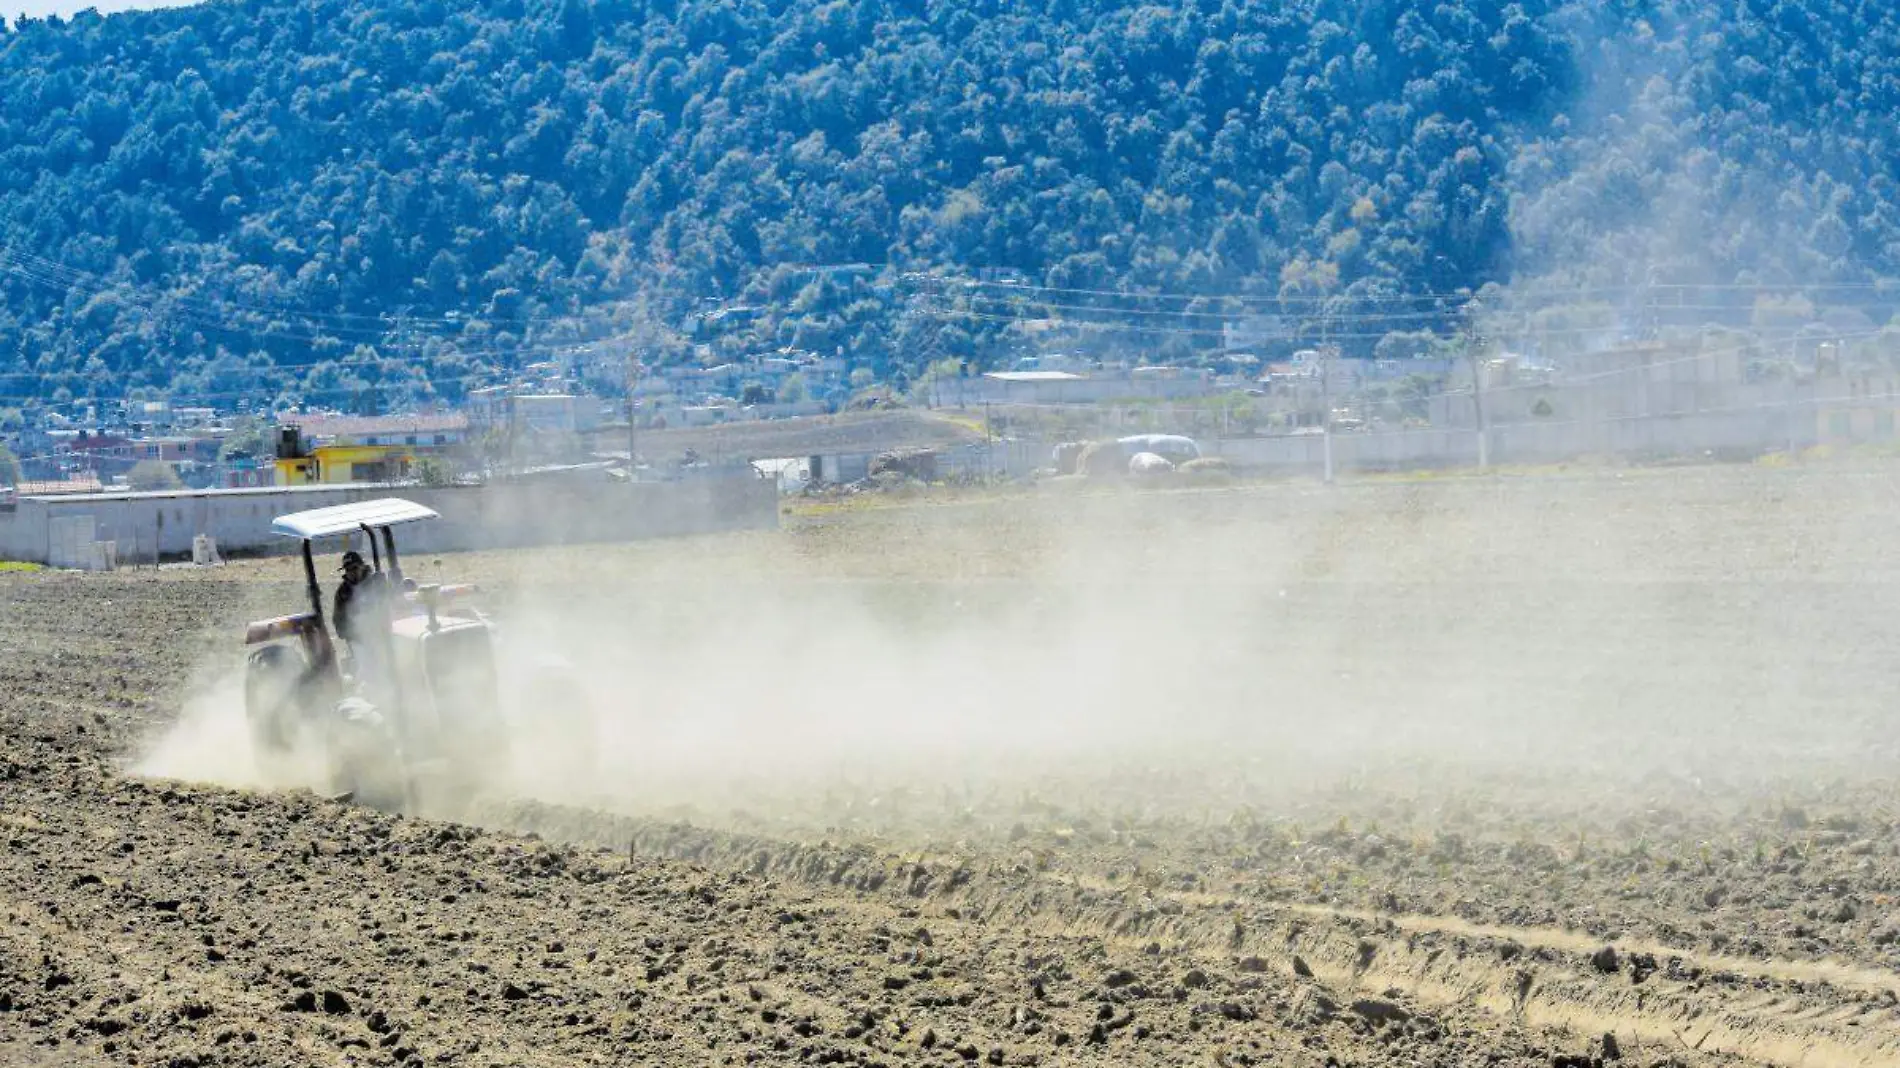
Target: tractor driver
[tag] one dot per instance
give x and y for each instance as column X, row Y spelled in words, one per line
column 358, row 602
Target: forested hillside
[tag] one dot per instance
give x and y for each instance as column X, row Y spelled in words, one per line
column 341, row 197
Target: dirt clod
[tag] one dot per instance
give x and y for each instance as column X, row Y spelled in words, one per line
column 1376, row 1010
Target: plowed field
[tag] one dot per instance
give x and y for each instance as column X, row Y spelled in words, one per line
column 1553, row 770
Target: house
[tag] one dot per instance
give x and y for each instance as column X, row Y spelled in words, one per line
column 170, row 448
column 93, row 445
column 691, row 384
column 1250, row 332
column 790, row 473
column 248, row 473
column 776, row 369
column 331, row 449
column 548, row 413
column 556, row 413
column 102, row 453
column 1035, row 387
column 705, row 414
column 487, row 406
column 703, row 325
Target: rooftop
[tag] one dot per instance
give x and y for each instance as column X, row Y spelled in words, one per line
column 1033, row 376
column 347, row 518
column 353, row 426
column 88, row 497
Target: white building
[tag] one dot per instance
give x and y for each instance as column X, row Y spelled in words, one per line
column 553, row 413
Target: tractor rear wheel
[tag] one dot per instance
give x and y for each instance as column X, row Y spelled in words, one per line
column 273, row 698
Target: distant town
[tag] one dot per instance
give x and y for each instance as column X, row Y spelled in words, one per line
column 1653, row 397
column 544, row 424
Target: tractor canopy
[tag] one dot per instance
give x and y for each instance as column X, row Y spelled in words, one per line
column 368, row 517
column 351, row 518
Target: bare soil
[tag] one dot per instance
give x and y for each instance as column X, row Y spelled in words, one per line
column 1444, row 772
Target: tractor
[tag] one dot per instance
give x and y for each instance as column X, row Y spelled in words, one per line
column 415, row 714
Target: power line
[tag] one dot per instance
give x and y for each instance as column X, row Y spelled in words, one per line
column 168, row 306
column 1508, row 291
column 1185, row 313
column 175, row 395
column 1560, row 382
column 1028, row 317
column 54, row 273
column 394, row 333
column 214, row 313
column 1350, row 317
column 342, row 365
column 347, row 363
column 1205, row 332
column 165, row 308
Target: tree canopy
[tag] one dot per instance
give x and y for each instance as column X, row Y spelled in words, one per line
column 149, row 475
column 369, row 202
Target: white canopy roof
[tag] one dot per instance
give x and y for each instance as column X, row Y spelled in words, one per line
column 347, row 518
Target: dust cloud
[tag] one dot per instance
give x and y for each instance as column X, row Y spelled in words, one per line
column 209, row 742
column 1591, row 636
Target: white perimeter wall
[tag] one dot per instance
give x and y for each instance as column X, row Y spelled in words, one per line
column 472, row 518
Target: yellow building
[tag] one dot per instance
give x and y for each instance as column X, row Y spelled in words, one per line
column 347, row 463
column 362, row 449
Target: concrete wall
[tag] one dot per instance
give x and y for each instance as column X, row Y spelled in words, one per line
column 497, row 516
column 1089, row 389
column 1014, row 458
column 1682, row 434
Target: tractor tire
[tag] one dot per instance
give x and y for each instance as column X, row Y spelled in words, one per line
column 366, row 760
column 274, row 696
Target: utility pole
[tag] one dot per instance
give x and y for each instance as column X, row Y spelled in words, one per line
column 1649, row 334
column 989, row 447
column 1326, row 392
column 1474, row 342
column 514, row 431
column 1326, row 406
column 633, row 462
column 1792, row 415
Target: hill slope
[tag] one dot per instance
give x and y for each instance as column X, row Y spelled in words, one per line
column 351, row 198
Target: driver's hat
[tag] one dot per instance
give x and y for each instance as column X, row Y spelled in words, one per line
column 351, row 559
